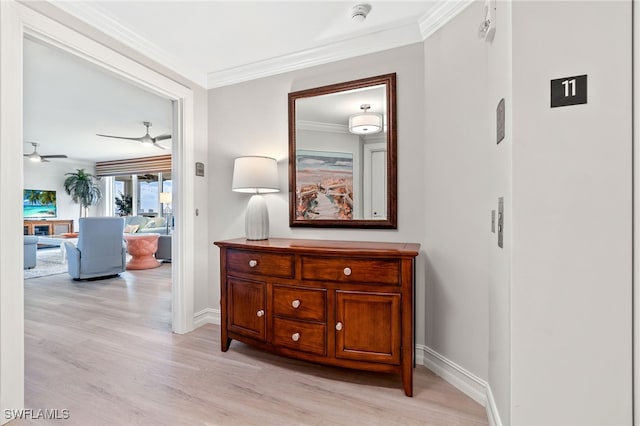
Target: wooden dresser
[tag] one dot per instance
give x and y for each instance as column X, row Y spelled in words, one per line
column 341, row 303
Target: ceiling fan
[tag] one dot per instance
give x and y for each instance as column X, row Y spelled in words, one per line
column 34, row 156
column 146, row 139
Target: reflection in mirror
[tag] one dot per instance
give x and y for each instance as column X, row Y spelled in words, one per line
column 342, row 154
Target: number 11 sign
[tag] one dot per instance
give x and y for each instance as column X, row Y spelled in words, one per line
column 569, row 91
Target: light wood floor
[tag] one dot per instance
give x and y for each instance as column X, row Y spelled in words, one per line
column 104, row 351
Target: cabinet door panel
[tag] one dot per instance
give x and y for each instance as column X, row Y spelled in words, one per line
column 247, row 308
column 368, row 326
column 61, row 228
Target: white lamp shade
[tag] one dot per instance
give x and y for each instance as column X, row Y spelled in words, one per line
column 165, row 198
column 258, row 175
column 365, row 124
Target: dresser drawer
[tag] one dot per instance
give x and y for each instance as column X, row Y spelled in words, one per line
column 369, row 271
column 300, row 303
column 272, row 264
column 301, row 336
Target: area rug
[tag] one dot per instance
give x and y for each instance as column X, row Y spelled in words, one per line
column 48, row 262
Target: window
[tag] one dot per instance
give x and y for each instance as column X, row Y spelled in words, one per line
column 148, row 194
column 144, row 192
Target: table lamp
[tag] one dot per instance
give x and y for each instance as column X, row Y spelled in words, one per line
column 165, row 200
column 256, row 175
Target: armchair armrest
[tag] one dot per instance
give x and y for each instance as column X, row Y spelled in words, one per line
column 73, row 259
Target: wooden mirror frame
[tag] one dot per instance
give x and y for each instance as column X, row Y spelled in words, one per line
column 390, row 222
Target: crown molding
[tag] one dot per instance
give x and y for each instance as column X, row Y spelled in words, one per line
column 317, row 126
column 95, row 16
column 440, row 14
column 370, row 43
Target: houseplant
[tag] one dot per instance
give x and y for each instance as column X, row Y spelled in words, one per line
column 124, row 205
column 82, row 189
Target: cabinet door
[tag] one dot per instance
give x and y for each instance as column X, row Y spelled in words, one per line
column 246, row 308
column 61, row 228
column 368, row 326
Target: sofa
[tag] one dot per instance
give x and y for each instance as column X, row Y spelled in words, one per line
column 30, row 251
column 164, row 248
column 145, row 225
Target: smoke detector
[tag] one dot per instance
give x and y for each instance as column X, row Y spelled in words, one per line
column 359, row 12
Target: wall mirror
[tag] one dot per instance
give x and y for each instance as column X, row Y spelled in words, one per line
column 342, row 155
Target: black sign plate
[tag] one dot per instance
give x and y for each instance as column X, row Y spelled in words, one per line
column 569, row 91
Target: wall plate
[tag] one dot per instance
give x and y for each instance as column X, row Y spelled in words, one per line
column 500, row 121
column 501, row 222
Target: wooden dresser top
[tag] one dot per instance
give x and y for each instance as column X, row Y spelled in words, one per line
column 368, row 248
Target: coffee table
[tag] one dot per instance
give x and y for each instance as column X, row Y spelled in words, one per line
column 57, row 240
column 142, row 247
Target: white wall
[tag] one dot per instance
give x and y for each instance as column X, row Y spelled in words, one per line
column 265, row 100
column 571, row 269
column 203, row 297
column 456, row 216
column 51, row 176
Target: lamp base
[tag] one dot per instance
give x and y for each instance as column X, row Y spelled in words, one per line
column 256, row 223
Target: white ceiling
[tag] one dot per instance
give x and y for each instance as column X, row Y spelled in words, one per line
column 213, row 43
column 68, row 100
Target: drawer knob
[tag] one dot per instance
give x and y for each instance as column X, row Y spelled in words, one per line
column 338, row 326
column 347, row 271
column 295, row 337
column 253, row 263
column 295, row 304
column 260, row 313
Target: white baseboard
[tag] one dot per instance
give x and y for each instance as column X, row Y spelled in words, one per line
column 206, row 316
column 492, row 409
column 463, row 380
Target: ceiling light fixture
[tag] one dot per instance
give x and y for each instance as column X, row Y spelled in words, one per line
column 359, row 12
column 365, row 123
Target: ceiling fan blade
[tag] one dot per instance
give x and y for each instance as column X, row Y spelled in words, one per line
column 120, row 137
column 157, row 145
column 44, row 160
column 54, row 156
column 162, row 137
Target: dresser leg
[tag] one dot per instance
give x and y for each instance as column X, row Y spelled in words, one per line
column 225, row 344
column 407, row 379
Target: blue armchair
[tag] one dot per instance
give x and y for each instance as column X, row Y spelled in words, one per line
column 30, row 251
column 101, row 251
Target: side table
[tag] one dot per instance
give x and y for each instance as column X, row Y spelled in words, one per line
column 142, row 247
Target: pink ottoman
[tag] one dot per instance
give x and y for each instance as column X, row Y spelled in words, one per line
column 142, row 247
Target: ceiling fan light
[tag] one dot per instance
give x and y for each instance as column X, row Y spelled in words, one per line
column 365, row 124
column 35, row 157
